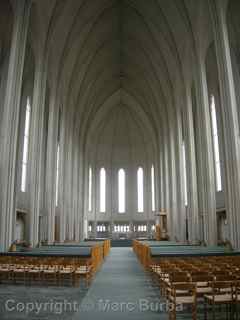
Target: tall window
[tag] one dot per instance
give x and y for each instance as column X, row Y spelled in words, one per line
column 57, row 176
column 185, row 173
column 90, row 189
column 25, row 146
column 140, row 189
column 216, row 144
column 153, row 187
column 121, row 191
column 102, row 190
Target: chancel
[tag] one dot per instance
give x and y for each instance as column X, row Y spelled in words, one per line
column 119, row 154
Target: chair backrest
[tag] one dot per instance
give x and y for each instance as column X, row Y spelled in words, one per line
column 224, row 277
column 221, row 287
column 201, row 278
column 179, row 277
column 183, row 289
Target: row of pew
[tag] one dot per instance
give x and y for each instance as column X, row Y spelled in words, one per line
column 202, row 278
column 149, row 251
column 55, row 264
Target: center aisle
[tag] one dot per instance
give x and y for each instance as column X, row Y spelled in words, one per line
column 121, row 290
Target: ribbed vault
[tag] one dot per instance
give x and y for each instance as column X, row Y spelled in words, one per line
column 96, row 48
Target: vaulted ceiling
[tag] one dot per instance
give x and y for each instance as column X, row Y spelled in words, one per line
column 102, row 53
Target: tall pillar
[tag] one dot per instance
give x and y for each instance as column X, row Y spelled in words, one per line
column 62, row 185
column 181, row 210
column 208, row 173
column 147, row 195
column 161, row 181
column 193, row 217
column 229, row 117
column 11, row 121
column 166, row 170
column 52, row 141
column 82, row 214
column 36, row 155
column 68, row 182
column 178, row 220
column 76, row 211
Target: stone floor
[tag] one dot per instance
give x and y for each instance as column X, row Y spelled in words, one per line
column 39, row 303
column 120, row 290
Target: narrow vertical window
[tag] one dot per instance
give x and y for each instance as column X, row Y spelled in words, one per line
column 121, row 191
column 90, row 189
column 102, row 190
column 140, row 189
column 216, row 145
column 57, row 176
column 153, row 187
column 25, row 146
column 185, row 174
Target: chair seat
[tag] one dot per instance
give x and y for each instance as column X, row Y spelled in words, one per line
column 65, row 271
column 34, row 271
column 220, row 298
column 4, row 270
column 204, row 290
column 81, row 271
column 202, row 284
column 185, row 300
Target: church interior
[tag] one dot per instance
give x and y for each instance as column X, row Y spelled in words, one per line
column 119, row 159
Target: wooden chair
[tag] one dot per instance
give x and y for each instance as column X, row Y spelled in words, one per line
column 221, row 294
column 34, row 274
column 182, row 294
column 179, row 276
column 202, row 283
column 237, row 297
column 19, row 274
column 66, row 274
column 50, row 275
column 5, row 273
column 84, row 271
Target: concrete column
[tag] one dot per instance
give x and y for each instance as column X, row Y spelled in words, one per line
column 62, row 185
column 166, row 170
column 181, row 210
column 208, row 181
column 81, row 193
column 11, row 121
column 131, row 192
column 161, row 181
column 69, row 187
column 229, row 117
column 193, row 217
column 77, row 213
column 52, row 142
column 147, row 194
column 175, row 232
column 157, row 177
column 97, row 199
column 36, row 153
